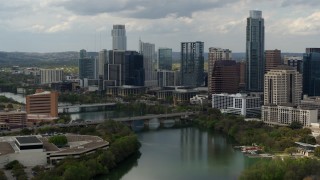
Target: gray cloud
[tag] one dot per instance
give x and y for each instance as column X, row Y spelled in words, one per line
column 286, row 3
column 142, row 8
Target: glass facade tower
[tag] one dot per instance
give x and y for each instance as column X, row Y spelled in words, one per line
column 311, row 72
column 192, row 64
column 255, row 63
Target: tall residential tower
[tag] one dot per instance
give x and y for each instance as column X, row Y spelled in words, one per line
column 255, row 63
column 192, row 63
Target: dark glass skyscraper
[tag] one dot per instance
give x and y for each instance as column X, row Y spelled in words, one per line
column 164, row 59
column 192, row 66
column 311, row 72
column 255, row 62
column 134, row 62
column 87, row 66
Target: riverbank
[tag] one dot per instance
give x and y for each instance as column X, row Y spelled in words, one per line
column 123, row 144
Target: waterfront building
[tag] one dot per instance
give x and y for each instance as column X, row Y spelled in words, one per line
column 14, row 119
column 285, row 115
column 240, row 104
column 36, row 150
column 42, row 103
column 294, row 61
column 225, row 77
column 216, row 54
column 311, row 72
column 168, row 78
column 282, row 86
column 192, row 64
column 125, row 90
column 272, row 59
column 102, row 60
column 255, row 51
column 87, row 66
column 199, row 100
column 149, row 57
column 48, row 76
column 164, row 59
column 119, row 38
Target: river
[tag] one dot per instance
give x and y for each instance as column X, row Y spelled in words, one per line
column 185, row 153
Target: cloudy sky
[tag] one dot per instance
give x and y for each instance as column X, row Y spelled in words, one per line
column 70, row 25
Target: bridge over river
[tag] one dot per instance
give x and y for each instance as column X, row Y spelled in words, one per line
column 140, row 120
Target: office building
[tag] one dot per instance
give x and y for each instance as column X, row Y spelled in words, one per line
column 168, row 78
column 134, row 67
column 216, row 54
column 48, row 76
column 149, row 57
column 272, row 59
column 255, row 52
column 164, row 59
column 312, row 102
column 285, row 115
column 240, row 104
column 311, row 72
column 14, row 119
column 103, row 59
column 42, row 103
column 192, row 64
column 119, row 38
column 225, row 77
column 282, row 86
column 242, row 79
column 87, row 66
column 294, row 61
column 115, row 70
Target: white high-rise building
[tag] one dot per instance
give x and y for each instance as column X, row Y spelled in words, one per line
column 149, row 57
column 103, row 59
column 282, row 86
column 119, row 38
column 51, row 76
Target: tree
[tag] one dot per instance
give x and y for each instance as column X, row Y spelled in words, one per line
column 317, row 151
column 318, row 139
column 290, row 150
column 308, row 139
column 76, row 172
column 296, row 125
column 59, row 140
column 10, row 106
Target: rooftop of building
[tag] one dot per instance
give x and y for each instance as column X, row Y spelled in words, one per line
column 5, row 148
column 12, row 112
column 24, row 140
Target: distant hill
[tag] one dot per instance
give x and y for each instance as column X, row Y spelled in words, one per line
column 25, row 59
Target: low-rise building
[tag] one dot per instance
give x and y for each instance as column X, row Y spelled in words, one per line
column 199, row 99
column 125, row 90
column 240, row 104
column 36, row 150
column 285, row 115
column 311, row 102
column 13, row 119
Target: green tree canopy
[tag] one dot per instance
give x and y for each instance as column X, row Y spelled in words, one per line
column 58, row 140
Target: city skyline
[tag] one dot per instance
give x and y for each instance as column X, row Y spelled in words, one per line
column 59, row 25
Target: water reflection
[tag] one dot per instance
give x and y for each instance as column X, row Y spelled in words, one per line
column 186, row 153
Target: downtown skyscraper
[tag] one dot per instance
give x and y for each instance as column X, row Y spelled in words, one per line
column 149, row 57
column 255, row 62
column 192, row 64
column 119, row 38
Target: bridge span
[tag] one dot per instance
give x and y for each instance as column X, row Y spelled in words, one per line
column 128, row 120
